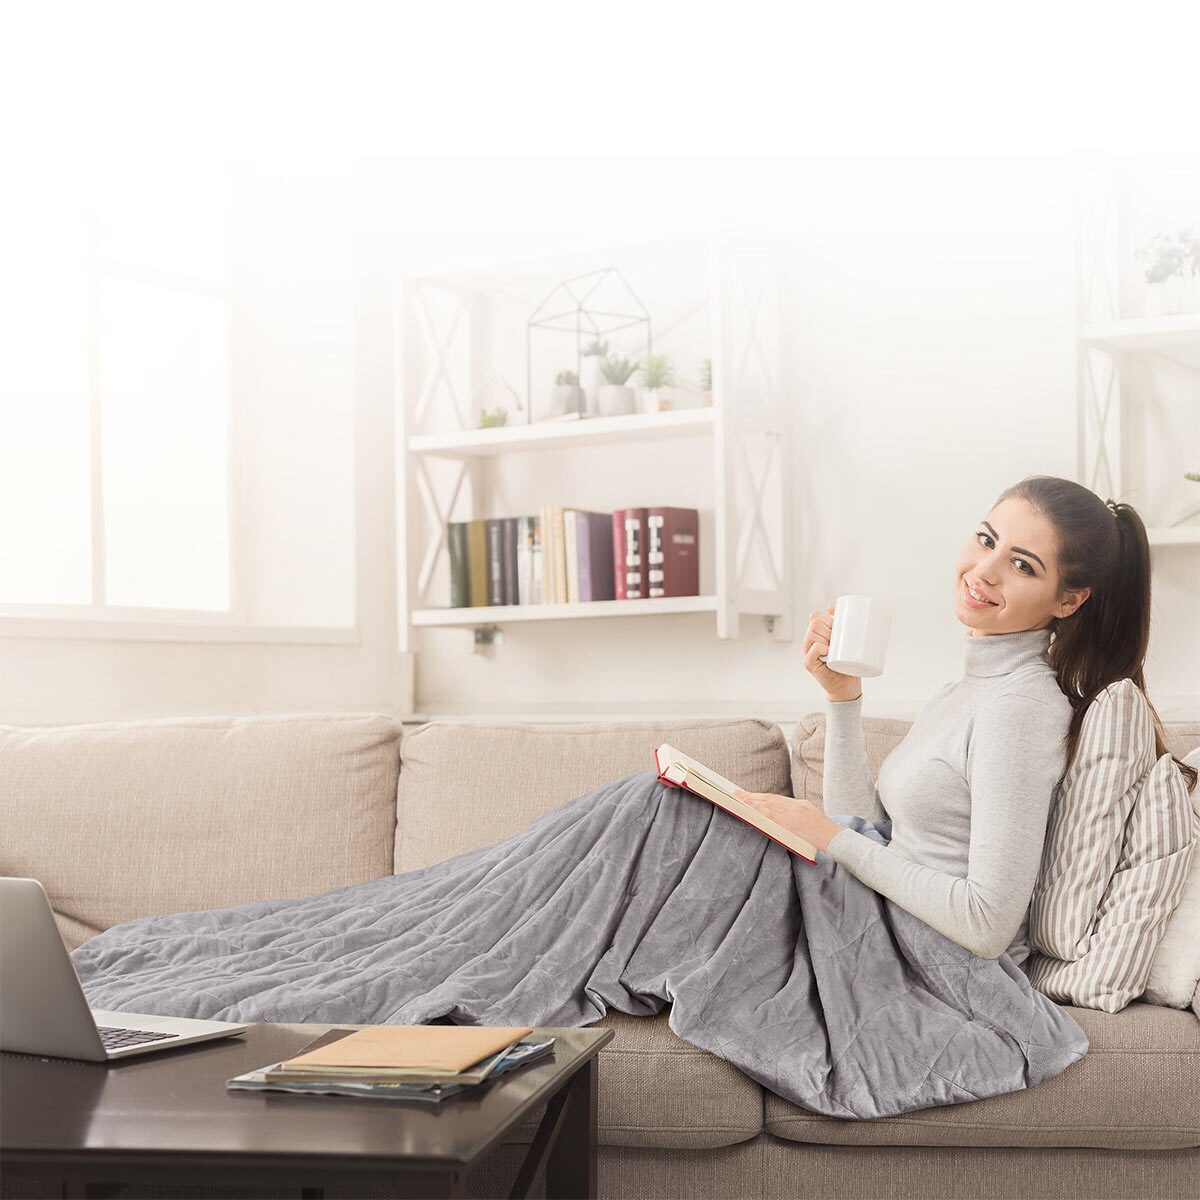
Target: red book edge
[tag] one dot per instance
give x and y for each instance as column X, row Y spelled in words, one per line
column 618, row 519
column 684, row 788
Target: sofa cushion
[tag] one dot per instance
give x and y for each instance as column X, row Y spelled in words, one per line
column 656, row 1089
column 126, row 820
column 1134, row 1089
column 464, row 786
column 882, row 735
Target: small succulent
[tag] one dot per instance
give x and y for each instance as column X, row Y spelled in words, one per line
column 1194, row 476
column 567, row 378
column 706, row 375
column 658, row 371
column 617, row 370
column 596, row 346
column 492, row 418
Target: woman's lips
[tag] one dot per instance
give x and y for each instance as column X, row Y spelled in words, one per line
column 971, row 601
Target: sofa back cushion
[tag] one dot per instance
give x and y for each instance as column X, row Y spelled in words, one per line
column 882, row 734
column 127, row 820
column 464, row 786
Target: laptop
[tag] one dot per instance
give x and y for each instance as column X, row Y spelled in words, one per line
column 42, row 1006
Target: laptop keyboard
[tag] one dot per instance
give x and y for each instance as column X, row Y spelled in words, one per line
column 115, row 1039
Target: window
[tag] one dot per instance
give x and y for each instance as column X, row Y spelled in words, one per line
column 115, row 403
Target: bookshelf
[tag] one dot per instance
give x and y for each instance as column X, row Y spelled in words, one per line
column 455, row 332
column 1113, row 347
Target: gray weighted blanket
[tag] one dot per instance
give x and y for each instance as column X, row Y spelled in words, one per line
column 633, row 896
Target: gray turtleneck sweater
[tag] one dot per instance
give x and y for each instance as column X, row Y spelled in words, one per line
column 968, row 791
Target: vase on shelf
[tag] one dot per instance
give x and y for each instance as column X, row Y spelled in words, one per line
column 1166, row 298
column 616, row 400
column 654, row 401
column 1191, row 294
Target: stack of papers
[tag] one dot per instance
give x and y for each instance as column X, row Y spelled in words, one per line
column 428, row 1063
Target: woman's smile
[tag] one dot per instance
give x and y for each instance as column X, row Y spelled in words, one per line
column 970, row 599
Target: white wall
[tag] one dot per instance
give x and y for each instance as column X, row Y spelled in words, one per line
column 931, row 347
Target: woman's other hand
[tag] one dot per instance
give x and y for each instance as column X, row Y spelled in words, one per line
column 837, row 687
column 802, row 817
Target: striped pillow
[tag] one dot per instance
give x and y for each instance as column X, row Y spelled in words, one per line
column 1118, row 850
column 1175, row 973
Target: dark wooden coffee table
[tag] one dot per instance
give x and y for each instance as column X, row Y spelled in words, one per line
column 168, row 1118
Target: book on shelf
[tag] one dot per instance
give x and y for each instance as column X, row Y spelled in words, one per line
column 672, row 552
column 558, row 517
column 495, row 560
column 460, row 579
column 680, row 770
column 635, row 550
column 566, row 555
column 508, row 542
column 570, row 554
column 596, row 569
column 618, row 541
column 539, row 573
column 477, row 562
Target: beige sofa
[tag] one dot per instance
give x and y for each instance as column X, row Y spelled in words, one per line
column 126, row 820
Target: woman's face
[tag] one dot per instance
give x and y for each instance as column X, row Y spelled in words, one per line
column 1011, row 560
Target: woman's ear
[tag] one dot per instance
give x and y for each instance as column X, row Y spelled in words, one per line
column 1071, row 601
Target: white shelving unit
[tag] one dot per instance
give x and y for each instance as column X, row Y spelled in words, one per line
column 739, row 443
column 1107, row 341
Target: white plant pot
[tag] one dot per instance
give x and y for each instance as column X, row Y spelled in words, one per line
column 590, row 380
column 616, row 400
column 1172, row 295
column 1191, row 294
column 653, row 400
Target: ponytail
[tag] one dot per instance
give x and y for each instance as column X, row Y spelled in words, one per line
column 1102, row 546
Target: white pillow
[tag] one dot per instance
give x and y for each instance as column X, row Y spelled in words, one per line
column 1175, row 972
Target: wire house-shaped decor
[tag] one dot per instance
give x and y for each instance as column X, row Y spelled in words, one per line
column 591, row 305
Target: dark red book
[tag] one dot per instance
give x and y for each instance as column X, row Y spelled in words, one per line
column 618, row 542
column 672, row 552
column 635, row 553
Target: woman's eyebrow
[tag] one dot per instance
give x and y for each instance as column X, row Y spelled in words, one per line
column 1018, row 549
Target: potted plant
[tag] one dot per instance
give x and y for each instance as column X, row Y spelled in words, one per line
column 706, row 382
column 657, row 373
column 1172, row 266
column 591, row 357
column 566, row 396
column 614, row 398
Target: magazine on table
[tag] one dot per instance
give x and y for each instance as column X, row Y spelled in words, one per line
column 269, row 1079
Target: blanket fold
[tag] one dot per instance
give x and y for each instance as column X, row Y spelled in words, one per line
column 630, row 897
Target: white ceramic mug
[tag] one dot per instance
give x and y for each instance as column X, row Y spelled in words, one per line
column 858, row 643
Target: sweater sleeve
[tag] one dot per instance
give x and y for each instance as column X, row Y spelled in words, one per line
column 846, row 779
column 1015, row 759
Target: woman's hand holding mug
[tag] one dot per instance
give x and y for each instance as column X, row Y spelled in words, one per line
column 838, row 687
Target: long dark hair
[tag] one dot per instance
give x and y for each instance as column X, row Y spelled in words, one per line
column 1102, row 545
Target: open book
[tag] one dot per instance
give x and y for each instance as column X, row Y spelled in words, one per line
column 678, row 770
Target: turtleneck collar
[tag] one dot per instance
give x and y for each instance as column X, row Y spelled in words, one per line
column 1003, row 653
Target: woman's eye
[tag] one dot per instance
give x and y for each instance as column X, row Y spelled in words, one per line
column 1026, row 568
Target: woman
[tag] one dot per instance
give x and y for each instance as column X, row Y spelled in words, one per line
column 1054, row 587
column 870, row 983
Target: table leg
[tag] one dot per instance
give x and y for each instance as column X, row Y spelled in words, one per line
column 571, row 1169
